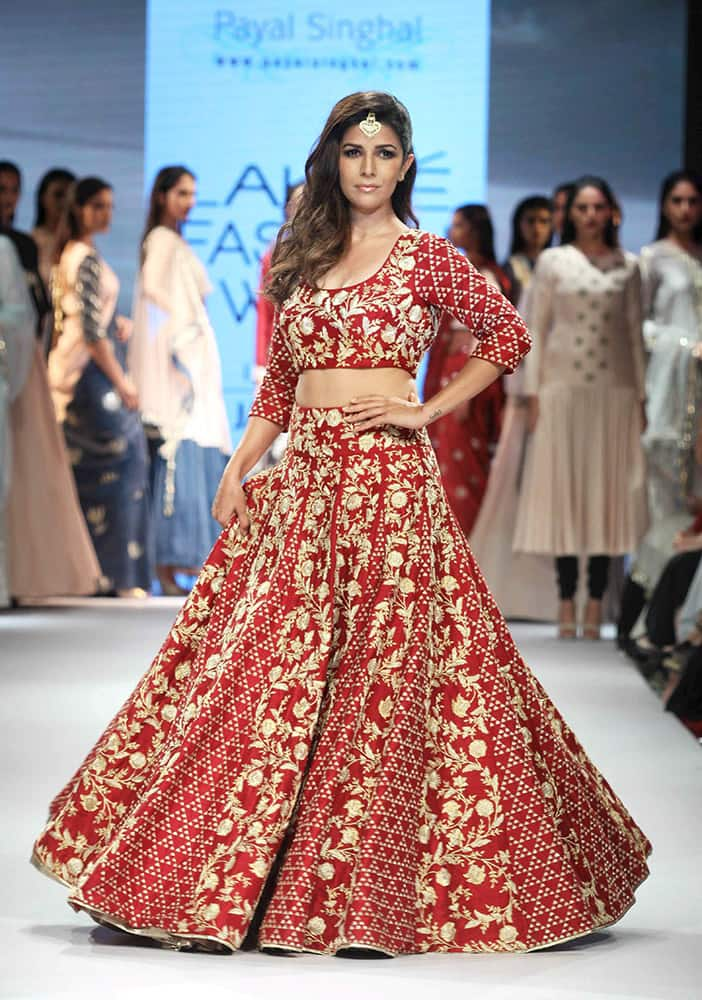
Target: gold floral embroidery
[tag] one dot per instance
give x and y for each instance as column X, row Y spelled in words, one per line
column 341, row 683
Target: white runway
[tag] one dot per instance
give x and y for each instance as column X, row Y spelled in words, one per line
column 66, row 670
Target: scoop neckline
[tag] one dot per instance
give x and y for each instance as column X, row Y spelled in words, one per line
column 364, row 281
column 617, row 256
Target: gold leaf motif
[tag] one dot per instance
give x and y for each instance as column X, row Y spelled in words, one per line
column 448, row 931
column 460, row 706
column 316, row 926
column 476, row 875
column 508, row 934
column 443, row 877
column 385, row 707
column 484, row 807
column 259, row 868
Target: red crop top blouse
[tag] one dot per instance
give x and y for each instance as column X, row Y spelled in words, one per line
column 387, row 321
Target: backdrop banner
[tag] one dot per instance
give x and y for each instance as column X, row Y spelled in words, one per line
column 239, row 94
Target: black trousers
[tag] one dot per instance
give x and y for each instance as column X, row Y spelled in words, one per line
column 668, row 596
column 567, row 569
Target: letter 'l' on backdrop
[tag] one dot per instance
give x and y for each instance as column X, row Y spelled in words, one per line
column 240, row 94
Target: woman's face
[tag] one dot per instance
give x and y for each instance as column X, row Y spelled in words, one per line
column 535, row 228
column 683, row 208
column 96, row 215
column 179, row 201
column 370, row 168
column 590, row 214
column 9, row 196
column 462, row 234
column 53, row 201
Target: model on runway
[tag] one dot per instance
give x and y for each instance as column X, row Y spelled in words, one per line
column 338, row 745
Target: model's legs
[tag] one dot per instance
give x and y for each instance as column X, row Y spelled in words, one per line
column 567, row 575
column 597, row 577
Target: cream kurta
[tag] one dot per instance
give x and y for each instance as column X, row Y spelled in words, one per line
column 584, row 479
column 173, row 355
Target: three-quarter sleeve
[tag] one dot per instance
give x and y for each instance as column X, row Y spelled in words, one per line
column 649, row 287
column 538, row 312
column 159, row 250
column 444, row 278
column 634, row 322
column 88, row 292
column 276, row 394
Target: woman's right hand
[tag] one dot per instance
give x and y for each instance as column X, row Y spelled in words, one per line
column 128, row 393
column 230, row 501
column 532, row 413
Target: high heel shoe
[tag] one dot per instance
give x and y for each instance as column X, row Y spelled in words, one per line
column 567, row 628
column 592, row 621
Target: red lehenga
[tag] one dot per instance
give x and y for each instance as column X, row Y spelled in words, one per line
column 338, row 744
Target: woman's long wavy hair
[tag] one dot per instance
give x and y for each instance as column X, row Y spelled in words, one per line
column 79, row 194
column 667, row 186
column 610, row 235
column 166, row 179
column 315, row 238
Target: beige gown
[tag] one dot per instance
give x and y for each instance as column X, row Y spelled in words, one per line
column 584, row 476
column 523, row 584
column 49, row 548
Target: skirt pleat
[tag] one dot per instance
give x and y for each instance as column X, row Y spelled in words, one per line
column 584, row 489
column 338, row 743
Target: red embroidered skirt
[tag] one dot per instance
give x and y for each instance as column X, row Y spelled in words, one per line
column 338, row 743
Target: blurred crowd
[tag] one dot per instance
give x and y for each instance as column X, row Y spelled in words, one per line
column 113, row 430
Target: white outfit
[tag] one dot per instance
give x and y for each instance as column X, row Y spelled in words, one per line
column 173, row 355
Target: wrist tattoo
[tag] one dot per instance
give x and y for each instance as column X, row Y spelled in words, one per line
column 435, row 414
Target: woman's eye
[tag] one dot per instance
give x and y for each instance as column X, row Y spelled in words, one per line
column 351, row 152
column 387, row 154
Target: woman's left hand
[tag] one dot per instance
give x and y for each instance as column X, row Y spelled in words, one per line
column 365, row 412
column 123, row 328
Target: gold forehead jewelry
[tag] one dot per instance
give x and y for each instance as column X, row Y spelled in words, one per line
column 370, row 126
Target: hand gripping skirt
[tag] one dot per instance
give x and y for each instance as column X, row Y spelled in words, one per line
column 338, row 744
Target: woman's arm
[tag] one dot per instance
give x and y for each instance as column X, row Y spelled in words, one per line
column 159, row 252
column 99, row 345
column 445, row 279
column 269, row 415
column 229, row 499
column 374, row 411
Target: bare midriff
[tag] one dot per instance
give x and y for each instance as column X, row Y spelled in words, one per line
column 326, row 387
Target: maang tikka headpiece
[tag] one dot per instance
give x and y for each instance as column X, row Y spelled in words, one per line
column 370, row 126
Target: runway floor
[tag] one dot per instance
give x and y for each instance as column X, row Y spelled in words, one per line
column 67, row 668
